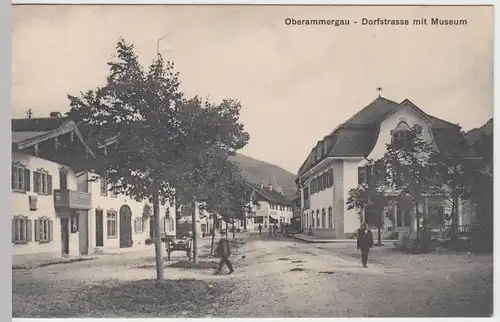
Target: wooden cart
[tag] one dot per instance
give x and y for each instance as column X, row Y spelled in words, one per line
column 184, row 244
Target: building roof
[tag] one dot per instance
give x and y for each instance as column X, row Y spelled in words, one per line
column 271, row 195
column 29, row 132
column 357, row 136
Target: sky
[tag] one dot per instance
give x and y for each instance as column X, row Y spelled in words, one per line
column 296, row 83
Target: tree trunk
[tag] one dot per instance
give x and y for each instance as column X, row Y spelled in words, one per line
column 157, row 237
column 379, row 230
column 245, row 222
column 234, row 231
column 214, row 224
column 195, row 237
column 454, row 218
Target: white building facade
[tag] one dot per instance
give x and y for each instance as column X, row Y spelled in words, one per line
column 337, row 164
column 270, row 207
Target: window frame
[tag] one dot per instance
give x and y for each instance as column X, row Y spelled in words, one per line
column 18, row 168
column 44, row 230
column 323, row 218
column 330, row 217
column 41, row 187
column 103, row 184
column 16, row 233
column 112, row 217
column 138, row 225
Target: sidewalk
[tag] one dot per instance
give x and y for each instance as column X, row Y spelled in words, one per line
column 312, row 239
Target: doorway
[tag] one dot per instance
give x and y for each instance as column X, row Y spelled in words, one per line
column 125, row 227
column 99, row 232
column 65, row 236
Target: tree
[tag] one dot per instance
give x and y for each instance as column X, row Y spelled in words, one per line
column 407, row 163
column 159, row 137
column 371, row 197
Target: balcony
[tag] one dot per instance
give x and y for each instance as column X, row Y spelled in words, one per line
column 70, row 199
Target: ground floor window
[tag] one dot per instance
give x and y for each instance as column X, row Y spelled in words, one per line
column 259, row 220
column 43, row 230
column 21, row 229
column 323, row 218
column 330, row 217
column 139, row 225
column 112, row 224
column 272, row 220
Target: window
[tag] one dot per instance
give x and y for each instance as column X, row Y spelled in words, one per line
column 63, row 179
column 43, row 230
column 435, row 214
column 170, row 224
column 404, row 217
column 21, row 230
column 259, row 220
column 42, row 181
column 317, row 218
column 139, row 225
column 112, row 224
column 20, row 178
column 312, row 219
column 323, row 218
column 361, row 175
column 402, row 136
column 104, row 187
column 379, row 171
column 330, row 217
column 163, row 227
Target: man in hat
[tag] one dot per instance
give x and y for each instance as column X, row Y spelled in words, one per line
column 224, row 251
column 365, row 242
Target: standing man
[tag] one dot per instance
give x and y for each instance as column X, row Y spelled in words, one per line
column 260, row 229
column 224, row 251
column 365, row 242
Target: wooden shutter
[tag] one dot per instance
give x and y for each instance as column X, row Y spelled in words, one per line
column 49, row 184
column 27, row 180
column 13, row 223
column 361, row 175
column 13, row 177
column 36, row 181
column 37, row 230
column 51, row 230
column 29, row 230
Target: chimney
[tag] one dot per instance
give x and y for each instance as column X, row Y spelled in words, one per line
column 55, row 114
column 270, row 186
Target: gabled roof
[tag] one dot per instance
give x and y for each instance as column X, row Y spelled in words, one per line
column 270, row 195
column 29, row 132
column 357, row 136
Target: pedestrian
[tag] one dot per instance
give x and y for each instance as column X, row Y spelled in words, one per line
column 224, row 251
column 275, row 228
column 270, row 230
column 260, row 229
column 364, row 242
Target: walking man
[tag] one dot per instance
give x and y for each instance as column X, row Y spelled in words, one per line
column 260, row 229
column 365, row 242
column 224, row 251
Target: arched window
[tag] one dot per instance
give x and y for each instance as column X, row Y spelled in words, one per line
column 402, row 136
column 330, row 217
column 323, row 218
column 312, row 219
column 317, row 218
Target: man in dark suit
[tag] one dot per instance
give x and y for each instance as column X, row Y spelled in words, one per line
column 224, row 251
column 365, row 242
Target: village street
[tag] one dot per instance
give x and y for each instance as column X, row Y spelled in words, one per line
column 277, row 277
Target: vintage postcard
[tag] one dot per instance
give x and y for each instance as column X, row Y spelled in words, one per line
column 256, row 161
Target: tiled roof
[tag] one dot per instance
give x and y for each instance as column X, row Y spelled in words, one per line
column 37, row 124
column 271, row 195
column 21, row 136
column 357, row 136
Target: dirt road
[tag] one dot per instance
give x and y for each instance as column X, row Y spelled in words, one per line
column 285, row 278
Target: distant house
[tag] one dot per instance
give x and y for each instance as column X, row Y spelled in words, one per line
column 271, row 206
column 337, row 164
column 57, row 211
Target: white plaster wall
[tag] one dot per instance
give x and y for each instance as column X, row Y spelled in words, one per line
column 45, row 204
column 351, row 218
column 406, row 114
column 111, row 203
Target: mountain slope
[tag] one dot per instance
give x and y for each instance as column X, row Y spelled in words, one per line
column 257, row 172
column 482, row 140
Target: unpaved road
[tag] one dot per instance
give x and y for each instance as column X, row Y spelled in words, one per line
column 281, row 277
column 278, row 277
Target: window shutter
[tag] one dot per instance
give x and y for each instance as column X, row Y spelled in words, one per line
column 408, row 139
column 13, row 177
column 27, row 180
column 36, row 181
column 361, row 175
column 37, row 230
column 51, row 230
column 369, row 170
column 29, row 230
column 13, row 223
column 49, row 184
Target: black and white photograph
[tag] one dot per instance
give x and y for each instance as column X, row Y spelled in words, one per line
column 252, row 161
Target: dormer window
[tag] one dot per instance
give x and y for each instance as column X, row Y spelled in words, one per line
column 402, row 136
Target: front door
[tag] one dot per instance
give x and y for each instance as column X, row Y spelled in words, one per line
column 125, row 227
column 99, row 232
column 64, row 236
